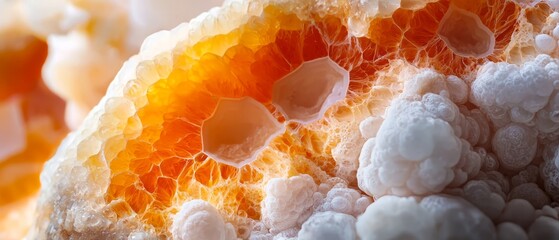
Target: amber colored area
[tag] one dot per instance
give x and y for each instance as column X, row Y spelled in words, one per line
column 164, row 166
column 30, row 162
column 21, row 60
column 43, row 113
column 20, row 77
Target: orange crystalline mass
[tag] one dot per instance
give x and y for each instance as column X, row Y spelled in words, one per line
column 143, row 150
column 268, row 48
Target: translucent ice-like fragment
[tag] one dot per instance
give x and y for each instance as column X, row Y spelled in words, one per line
column 465, row 34
column 305, row 94
column 238, row 130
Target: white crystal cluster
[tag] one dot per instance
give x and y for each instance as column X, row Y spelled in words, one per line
column 450, row 159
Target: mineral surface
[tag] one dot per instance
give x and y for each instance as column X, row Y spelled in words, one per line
column 287, row 119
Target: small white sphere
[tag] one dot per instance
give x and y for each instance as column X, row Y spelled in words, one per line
column 545, row 43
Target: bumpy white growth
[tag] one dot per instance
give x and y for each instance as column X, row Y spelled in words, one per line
column 458, row 219
column 479, row 193
column 418, row 149
column 435, row 217
column 198, row 219
column 344, row 200
column 515, row 145
column 369, row 126
column 12, row 128
column 508, row 93
column 404, row 158
column 384, row 220
column 532, row 193
column 328, row 226
column 545, row 43
column 288, row 202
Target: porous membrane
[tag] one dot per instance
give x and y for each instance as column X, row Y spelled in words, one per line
column 424, row 128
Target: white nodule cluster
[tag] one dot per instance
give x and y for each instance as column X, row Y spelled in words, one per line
column 521, row 94
column 545, row 43
column 424, row 143
column 546, row 40
column 328, row 226
column 198, row 219
column 288, row 202
column 490, row 142
column 515, row 145
column 434, row 217
column 344, row 200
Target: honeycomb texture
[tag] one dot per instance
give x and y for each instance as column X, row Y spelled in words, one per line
column 139, row 156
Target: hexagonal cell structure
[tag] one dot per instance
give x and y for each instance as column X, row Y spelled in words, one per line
column 465, row 34
column 238, row 131
column 305, row 94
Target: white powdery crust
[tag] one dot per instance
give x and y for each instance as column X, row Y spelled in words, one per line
column 288, row 202
column 434, row 217
column 424, row 143
column 200, row 220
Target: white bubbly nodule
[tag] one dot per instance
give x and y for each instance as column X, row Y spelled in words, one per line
column 545, row 43
column 434, row 217
column 424, row 142
column 288, row 202
column 198, row 219
column 476, row 136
